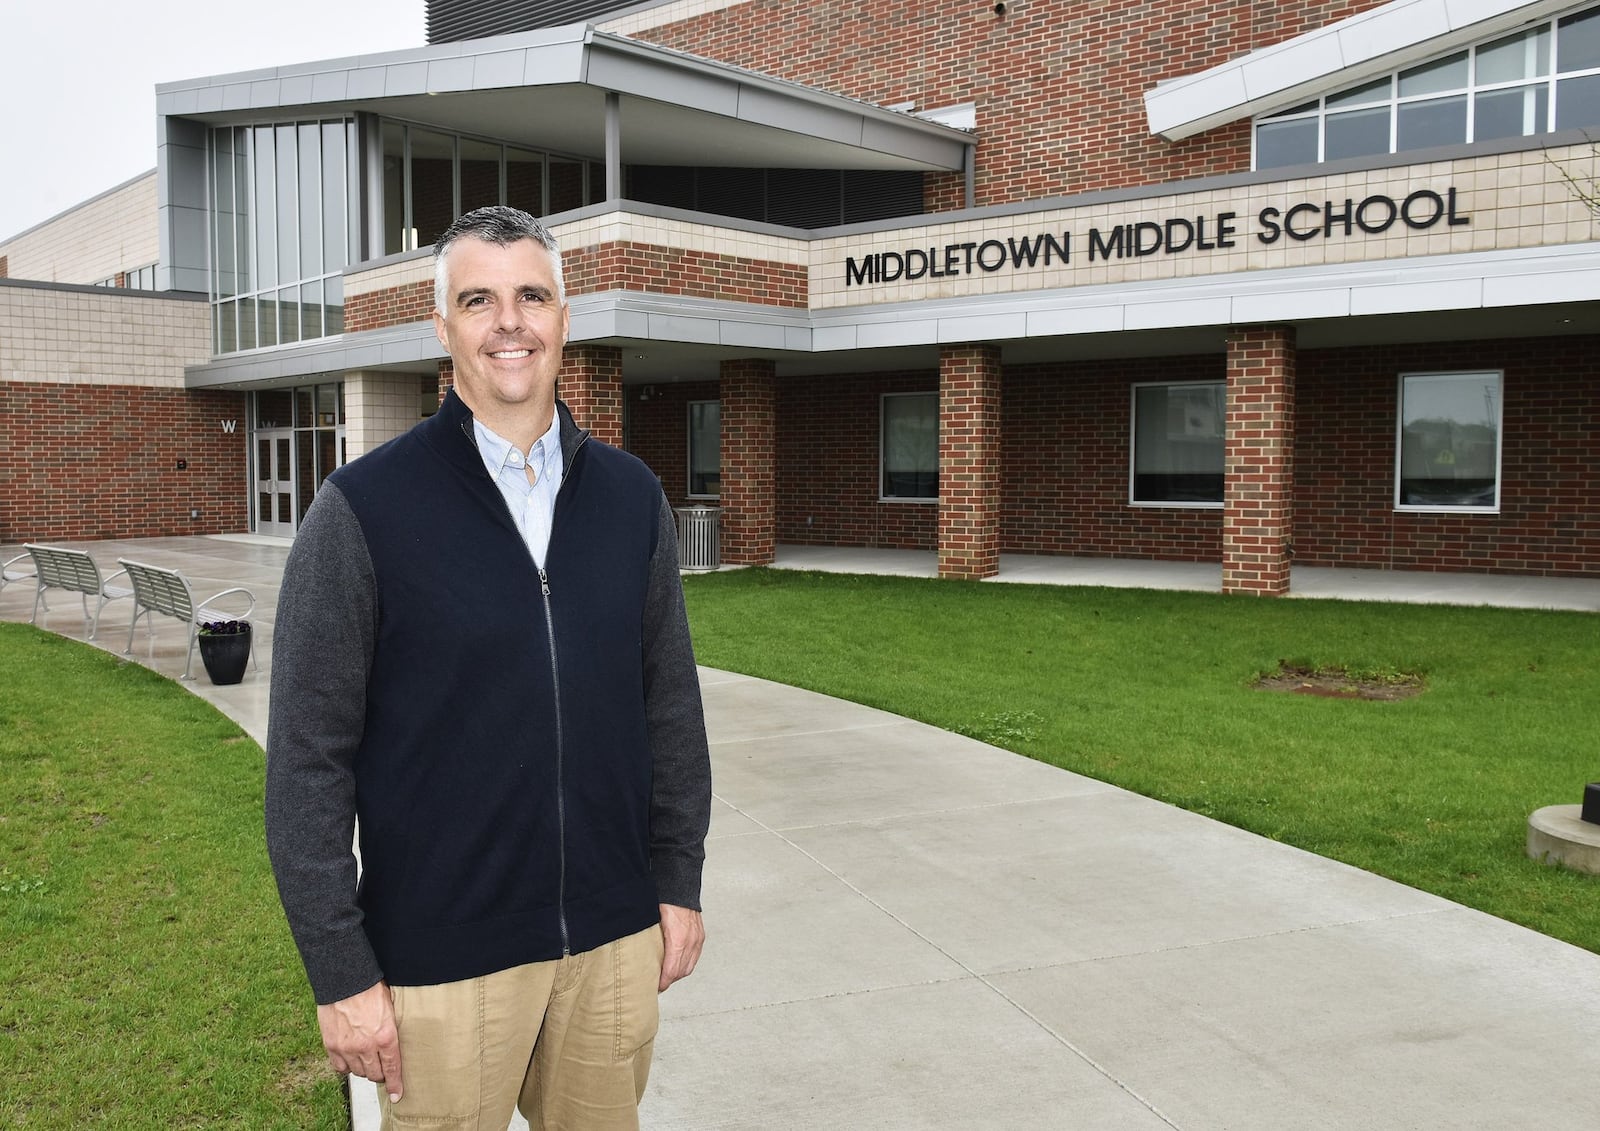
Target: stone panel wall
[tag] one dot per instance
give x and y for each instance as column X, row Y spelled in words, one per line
column 114, row 232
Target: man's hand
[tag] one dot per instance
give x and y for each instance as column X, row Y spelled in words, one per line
column 683, row 934
column 360, row 1036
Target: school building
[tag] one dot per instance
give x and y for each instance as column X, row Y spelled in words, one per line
column 1200, row 280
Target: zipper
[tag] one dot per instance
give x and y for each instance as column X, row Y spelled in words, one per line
column 561, row 744
column 561, row 789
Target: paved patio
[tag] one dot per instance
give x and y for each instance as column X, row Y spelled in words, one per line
column 910, row 929
column 1415, row 586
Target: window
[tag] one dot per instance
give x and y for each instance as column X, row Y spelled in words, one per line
column 1178, row 443
column 282, row 224
column 705, row 449
column 1544, row 78
column 1449, row 445
column 430, row 178
column 799, row 198
column 909, row 446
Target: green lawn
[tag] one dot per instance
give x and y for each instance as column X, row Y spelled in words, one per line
column 149, row 978
column 1151, row 691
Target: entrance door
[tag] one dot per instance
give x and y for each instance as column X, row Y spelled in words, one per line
column 274, row 493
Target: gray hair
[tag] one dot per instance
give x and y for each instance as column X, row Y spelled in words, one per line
column 502, row 226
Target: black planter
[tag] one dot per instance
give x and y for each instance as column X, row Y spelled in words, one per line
column 225, row 656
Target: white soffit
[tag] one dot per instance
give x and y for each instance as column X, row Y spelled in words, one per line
column 1378, row 41
column 487, row 86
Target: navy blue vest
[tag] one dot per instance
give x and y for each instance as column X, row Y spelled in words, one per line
column 503, row 781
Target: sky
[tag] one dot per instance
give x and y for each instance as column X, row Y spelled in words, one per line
column 77, row 88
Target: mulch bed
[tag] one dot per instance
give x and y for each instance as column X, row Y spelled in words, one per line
column 1336, row 683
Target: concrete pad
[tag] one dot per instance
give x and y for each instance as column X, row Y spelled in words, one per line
column 726, row 821
column 955, row 1055
column 857, row 767
column 791, row 930
column 739, row 708
column 1093, row 876
column 1448, row 1018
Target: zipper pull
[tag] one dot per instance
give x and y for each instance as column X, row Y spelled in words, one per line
column 544, row 583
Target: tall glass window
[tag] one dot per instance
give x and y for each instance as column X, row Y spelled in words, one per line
column 705, row 449
column 433, row 195
column 1448, row 454
column 282, row 224
column 480, row 174
column 1533, row 81
column 430, row 178
column 910, row 446
column 525, row 180
column 1178, row 443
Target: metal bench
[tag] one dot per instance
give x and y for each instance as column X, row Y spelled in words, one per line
column 9, row 575
column 56, row 567
column 166, row 591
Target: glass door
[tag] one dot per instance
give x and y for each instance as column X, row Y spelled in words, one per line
column 274, row 494
column 297, row 437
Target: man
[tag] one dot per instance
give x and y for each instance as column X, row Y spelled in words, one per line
column 481, row 652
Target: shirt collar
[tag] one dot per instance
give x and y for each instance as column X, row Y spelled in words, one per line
column 496, row 450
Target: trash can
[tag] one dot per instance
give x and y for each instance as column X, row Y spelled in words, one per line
column 699, row 546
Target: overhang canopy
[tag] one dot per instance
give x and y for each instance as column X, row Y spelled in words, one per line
column 1387, row 38
column 547, row 89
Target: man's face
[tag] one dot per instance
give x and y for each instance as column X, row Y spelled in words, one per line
column 502, row 325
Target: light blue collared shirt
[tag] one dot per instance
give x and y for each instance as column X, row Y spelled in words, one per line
column 532, row 505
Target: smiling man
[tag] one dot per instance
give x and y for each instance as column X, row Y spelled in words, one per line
column 481, row 661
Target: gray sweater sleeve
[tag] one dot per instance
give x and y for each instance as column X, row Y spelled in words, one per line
column 680, row 802
column 322, row 648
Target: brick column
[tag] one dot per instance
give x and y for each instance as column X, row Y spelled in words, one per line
column 969, row 461
column 749, row 445
column 591, row 384
column 1258, row 465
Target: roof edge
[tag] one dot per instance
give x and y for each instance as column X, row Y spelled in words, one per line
column 1359, row 47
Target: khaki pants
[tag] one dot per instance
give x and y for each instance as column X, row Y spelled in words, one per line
column 567, row 1041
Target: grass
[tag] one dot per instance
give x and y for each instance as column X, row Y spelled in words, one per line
column 149, row 976
column 1151, row 691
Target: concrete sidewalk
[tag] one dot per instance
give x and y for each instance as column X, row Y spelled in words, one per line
column 910, row 929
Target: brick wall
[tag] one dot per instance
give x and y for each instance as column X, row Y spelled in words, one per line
column 969, row 460
column 1549, row 520
column 1258, row 466
column 641, row 268
column 1058, row 84
column 828, row 464
column 100, row 461
column 390, row 306
column 1066, row 451
column 658, row 431
column 590, row 382
column 1065, row 473
column 683, row 271
column 748, row 457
